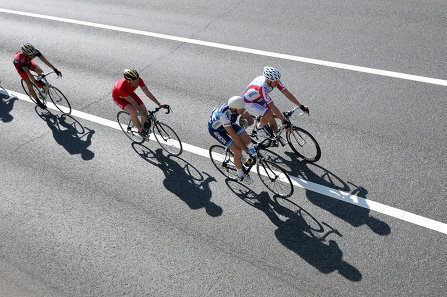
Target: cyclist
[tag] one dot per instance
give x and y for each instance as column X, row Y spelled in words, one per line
column 222, row 126
column 23, row 61
column 124, row 95
column 258, row 101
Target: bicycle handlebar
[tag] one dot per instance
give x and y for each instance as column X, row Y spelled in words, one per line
column 288, row 114
column 158, row 108
column 46, row 74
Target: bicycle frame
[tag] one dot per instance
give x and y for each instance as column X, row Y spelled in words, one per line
column 151, row 117
column 47, row 84
column 274, row 139
column 257, row 157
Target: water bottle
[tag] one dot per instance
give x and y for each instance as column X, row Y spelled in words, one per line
column 249, row 161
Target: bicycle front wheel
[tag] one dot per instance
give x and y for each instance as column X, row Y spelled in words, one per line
column 36, row 90
column 304, row 144
column 223, row 160
column 275, row 178
column 129, row 129
column 167, row 139
column 59, row 100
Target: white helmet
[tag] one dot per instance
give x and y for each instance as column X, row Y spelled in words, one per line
column 236, row 102
column 271, row 73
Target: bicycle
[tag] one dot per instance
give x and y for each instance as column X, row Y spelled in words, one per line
column 271, row 175
column 300, row 141
column 49, row 91
column 163, row 134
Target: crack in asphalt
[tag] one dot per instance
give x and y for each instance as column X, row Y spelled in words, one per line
column 216, row 19
column 194, row 35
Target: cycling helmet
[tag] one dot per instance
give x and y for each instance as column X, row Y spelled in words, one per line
column 271, row 73
column 236, row 102
column 131, row 74
column 28, row 49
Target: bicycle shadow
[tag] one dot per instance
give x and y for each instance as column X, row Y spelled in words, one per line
column 6, row 105
column 354, row 215
column 300, row 232
column 69, row 133
column 182, row 179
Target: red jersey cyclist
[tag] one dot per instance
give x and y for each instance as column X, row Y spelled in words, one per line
column 124, row 95
column 23, row 61
column 258, row 101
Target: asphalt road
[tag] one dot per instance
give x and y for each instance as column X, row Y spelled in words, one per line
column 83, row 212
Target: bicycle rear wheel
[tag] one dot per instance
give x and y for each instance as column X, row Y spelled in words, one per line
column 36, row 90
column 129, row 129
column 304, row 144
column 167, row 139
column 275, row 178
column 223, row 160
column 59, row 100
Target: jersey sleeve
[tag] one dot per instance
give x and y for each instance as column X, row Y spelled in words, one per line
column 38, row 54
column 281, row 87
column 141, row 82
column 225, row 119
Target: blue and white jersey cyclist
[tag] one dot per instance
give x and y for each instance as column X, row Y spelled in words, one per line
column 223, row 127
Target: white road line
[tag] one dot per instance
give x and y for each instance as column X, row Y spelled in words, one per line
column 387, row 73
column 308, row 185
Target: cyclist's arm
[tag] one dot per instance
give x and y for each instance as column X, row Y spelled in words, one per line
column 247, row 116
column 236, row 138
column 294, row 100
column 42, row 58
column 149, row 95
column 291, row 97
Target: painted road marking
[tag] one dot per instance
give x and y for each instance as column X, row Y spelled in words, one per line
column 387, row 73
column 308, row 185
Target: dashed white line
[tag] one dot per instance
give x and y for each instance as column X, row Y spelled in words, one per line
column 308, row 185
column 387, row 73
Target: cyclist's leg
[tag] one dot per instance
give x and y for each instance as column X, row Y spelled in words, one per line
column 34, row 67
column 237, row 151
column 261, row 109
column 144, row 118
column 133, row 114
column 142, row 107
column 268, row 118
column 33, row 94
column 28, row 83
column 224, row 138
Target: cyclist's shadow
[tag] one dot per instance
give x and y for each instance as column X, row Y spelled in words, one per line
column 300, row 232
column 354, row 215
column 69, row 133
column 6, row 105
column 182, row 179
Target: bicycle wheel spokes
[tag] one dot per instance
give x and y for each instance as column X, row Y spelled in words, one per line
column 224, row 161
column 304, row 144
column 168, row 139
column 275, row 178
column 59, row 100
column 126, row 125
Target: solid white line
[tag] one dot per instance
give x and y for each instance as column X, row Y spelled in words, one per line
column 387, row 73
column 308, row 185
